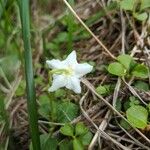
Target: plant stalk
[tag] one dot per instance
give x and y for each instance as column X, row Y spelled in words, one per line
column 30, row 87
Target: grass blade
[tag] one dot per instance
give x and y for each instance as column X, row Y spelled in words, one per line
column 2, row 7
column 31, row 98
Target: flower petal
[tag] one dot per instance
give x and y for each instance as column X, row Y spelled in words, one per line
column 71, row 59
column 74, row 84
column 83, row 69
column 55, row 64
column 58, row 82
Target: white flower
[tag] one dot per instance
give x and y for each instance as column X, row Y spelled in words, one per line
column 67, row 73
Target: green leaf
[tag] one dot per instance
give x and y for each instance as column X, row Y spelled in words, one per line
column 77, row 145
column 140, row 71
column 66, row 112
column 127, row 4
column 44, row 111
column 126, row 104
column 125, row 60
column 137, row 116
column 145, row 4
column 53, row 49
column 133, row 101
column 141, row 16
column 67, row 130
column 66, row 145
column 116, row 69
column 21, row 89
column 44, row 108
column 62, row 37
column 118, row 105
column 125, row 124
column 60, row 93
column 46, row 142
column 142, row 85
column 80, row 129
column 86, row 138
column 103, row 90
column 148, row 106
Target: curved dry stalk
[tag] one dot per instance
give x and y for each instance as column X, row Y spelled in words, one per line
column 13, row 90
column 102, row 126
column 135, row 140
column 87, row 28
column 51, row 123
column 5, row 78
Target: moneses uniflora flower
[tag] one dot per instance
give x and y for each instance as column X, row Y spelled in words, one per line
column 67, row 73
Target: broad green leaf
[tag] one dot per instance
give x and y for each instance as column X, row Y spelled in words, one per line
column 142, row 85
column 137, row 116
column 145, row 4
column 66, row 112
column 141, row 16
column 140, row 71
column 116, row 69
column 125, row 60
column 86, row 138
column 66, row 145
column 67, row 130
column 80, row 129
column 127, row 4
column 77, row 145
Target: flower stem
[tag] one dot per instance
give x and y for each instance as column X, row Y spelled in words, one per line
column 30, row 87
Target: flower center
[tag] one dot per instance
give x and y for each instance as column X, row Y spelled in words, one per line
column 67, row 71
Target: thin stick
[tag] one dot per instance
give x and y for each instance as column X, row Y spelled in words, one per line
column 102, row 126
column 87, row 28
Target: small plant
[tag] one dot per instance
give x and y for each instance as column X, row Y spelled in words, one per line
column 79, row 136
column 127, row 67
column 138, row 8
column 105, row 89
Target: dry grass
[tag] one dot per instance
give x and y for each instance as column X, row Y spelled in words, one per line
column 101, row 117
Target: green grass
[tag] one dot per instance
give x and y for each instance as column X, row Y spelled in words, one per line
column 31, row 98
